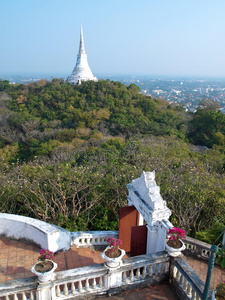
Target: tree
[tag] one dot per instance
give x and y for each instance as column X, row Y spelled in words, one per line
column 207, row 104
column 205, row 127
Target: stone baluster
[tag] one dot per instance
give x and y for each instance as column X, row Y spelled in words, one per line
column 87, row 288
column 131, row 275
column 194, row 295
column 181, row 282
column 7, row 297
column 24, row 297
column 80, row 286
column 157, row 269
column 15, row 297
column 185, row 285
column 138, row 273
column 31, row 295
column 175, row 272
column 124, row 277
column 58, row 292
column 65, row 289
column 163, row 267
column 144, row 272
column 189, row 289
column 150, row 272
column 94, row 284
column 100, row 282
column 177, row 275
column 167, row 266
column 73, row 289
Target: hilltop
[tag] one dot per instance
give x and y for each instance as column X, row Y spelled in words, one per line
column 67, row 153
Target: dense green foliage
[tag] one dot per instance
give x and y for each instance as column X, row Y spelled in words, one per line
column 42, row 111
column 208, row 125
column 68, row 152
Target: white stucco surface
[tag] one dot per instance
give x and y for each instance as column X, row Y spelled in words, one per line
column 45, row 235
column 81, row 71
column 144, row 194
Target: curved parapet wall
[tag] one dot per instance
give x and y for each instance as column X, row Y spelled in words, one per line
column 45, row 235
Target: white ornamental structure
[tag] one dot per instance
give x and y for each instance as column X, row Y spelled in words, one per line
column 144, row 194
column 81, row 71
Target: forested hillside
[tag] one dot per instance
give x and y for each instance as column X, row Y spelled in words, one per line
column 68, row 152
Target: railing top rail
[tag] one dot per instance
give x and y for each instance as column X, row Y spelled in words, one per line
column 101, row 269
column 18, row 285
column 197, row 243
column 146, row 259
column 80, row 273
column 94, row 233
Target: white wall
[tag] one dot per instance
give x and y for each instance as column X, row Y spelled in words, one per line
column 45, row 235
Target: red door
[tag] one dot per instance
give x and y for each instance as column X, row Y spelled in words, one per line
column 138, row 240
column 128, row 218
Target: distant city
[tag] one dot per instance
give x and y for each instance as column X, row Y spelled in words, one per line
column 185, row 91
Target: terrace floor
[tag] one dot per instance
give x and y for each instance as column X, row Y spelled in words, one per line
column 158, row 292
column 17, row 258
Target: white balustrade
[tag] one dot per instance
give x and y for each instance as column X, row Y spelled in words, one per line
column 78, row 287
column 26, row 295
column 197, row 248
column 144, row 271
column 184, row 284
column 190, row 247
column 205, row 253
column 92, row 238
column 98, row 279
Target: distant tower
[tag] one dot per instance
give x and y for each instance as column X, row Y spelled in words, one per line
column 81, row 71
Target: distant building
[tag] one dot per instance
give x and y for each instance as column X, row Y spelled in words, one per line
column 175, row 92
column 81, row 71
column 158, row 92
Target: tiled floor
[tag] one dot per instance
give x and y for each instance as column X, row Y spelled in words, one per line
column 201, row 268
column 158, row 292
column 16, row 259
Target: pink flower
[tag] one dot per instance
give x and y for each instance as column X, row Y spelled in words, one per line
column 45, row 254
column 114, row 243
column 176, row 234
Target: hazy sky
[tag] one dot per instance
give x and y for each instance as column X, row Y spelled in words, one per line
column 167, row 37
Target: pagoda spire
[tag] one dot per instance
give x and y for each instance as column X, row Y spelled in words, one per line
column 81, row 71
column 81, row 49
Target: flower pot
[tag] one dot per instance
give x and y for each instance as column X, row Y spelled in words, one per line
column 45, row 275
column 113, row 262
column 174, row 251
column 213, row 295
column 220, row 292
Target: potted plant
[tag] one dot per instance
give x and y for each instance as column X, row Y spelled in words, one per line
column 174, row 244
column 113, row 254
column 219, row 292
column 45, row 266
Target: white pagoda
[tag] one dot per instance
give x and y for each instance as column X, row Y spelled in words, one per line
column 81, row 71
